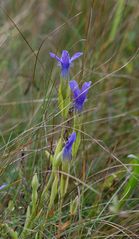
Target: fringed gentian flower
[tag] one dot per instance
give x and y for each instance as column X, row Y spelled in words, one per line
column 65, row 61
column 79, row 95
column 67, row 151
column 3, row 186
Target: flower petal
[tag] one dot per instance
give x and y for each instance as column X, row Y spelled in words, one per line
column 79, row 101
column 76, row 55
column 66, row 154
column 85, row 88
column 54, row 56
column 67, row 151
column 3, row 186
column 64, row 71
column 71, row 139
column 65, row 58
column 75, row 88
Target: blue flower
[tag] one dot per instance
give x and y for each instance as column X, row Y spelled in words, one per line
column 79, row 95
column 65, row 61
column 3, row 186
column 67, row 151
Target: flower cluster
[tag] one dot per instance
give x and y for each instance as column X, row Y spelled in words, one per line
column 79, row 94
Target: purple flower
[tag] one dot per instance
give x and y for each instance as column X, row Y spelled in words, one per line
column 79, row 95
column 3, row 186
column 65, row 61
column 67, row 151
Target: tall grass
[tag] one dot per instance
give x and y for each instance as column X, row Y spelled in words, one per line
column 96, row 194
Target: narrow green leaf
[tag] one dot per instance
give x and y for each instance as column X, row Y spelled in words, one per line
column 117, row 18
